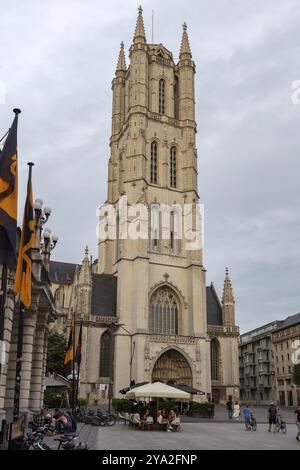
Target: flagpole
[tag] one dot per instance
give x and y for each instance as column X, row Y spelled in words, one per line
column 77, row 384
column 20, row 346
column 19, row 363
column 78, row 360
column 73, row 363
column 2, row 312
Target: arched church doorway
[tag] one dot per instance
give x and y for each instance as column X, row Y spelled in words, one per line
column 172, row 367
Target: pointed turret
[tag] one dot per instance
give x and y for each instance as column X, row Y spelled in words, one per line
column 186, row 72
column 228, row 302
column 121, row 65
column 118, row 87
column 139, row 34
column 83, row 286
column 185, row 50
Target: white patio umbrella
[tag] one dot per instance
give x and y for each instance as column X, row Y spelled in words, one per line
column 157, row 390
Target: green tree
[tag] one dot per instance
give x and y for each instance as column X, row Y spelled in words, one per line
column 296, row 374
column 56, row 353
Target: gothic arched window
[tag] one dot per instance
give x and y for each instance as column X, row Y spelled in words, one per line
column 106, row 355
column 154, row 162
column 161, row 97
column 173, row 167
column 163, row 314
column 214, row 358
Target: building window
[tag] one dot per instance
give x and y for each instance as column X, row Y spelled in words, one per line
column 118, row 251
column 161, row 97
column 214, row 358
column 154, row 163
column 155, row 227
column 163, row 315
column 106, row 355
column 173, row 167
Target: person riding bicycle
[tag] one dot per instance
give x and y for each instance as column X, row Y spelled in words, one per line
column 272, row 412
column 247, row 415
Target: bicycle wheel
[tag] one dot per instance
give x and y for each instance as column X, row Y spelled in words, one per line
column 283, row 429
column 111, row 420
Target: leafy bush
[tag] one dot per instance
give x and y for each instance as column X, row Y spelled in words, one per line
column 202, row 410
column 54, row 399
column 83, row 402
column 123, row 405
column 56, row 353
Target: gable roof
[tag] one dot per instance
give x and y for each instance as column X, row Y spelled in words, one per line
column 61, row 273
column 104, row 295
column 213, row 307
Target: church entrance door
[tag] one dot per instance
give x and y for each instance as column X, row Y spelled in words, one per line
column 172, row 367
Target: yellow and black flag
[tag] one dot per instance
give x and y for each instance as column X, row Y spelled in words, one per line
column 9, row 196
column 70, row 349
column 23, row 272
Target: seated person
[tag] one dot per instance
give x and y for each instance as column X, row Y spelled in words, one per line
column 146, row 419
column 136, row 419
column 161, row 418
column 172, row 418
column 63, row 421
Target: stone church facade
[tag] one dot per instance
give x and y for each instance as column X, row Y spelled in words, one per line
column 146, row 310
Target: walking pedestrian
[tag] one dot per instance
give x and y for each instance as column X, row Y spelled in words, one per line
column 272, row 413
column 297, row 412
column 229, row 408
column 236, row 411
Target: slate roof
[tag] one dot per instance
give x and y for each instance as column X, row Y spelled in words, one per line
column 213, row 307
column 289, row 321
column 61, row 273
column 104, row 295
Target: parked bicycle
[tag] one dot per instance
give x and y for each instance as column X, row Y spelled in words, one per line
column 95, row 417
column 35, row 441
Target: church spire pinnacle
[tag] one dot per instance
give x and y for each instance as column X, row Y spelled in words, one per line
column 227, row 290
column 185, row 50
column 121, row 65
column 139, row 34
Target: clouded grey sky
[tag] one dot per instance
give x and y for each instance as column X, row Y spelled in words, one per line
column 58, row 58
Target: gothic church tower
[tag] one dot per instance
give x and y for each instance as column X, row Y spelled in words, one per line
column 161, row 294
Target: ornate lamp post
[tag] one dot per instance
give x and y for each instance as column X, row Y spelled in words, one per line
column 45, row 243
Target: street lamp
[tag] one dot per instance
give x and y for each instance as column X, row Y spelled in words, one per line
column 45, row 243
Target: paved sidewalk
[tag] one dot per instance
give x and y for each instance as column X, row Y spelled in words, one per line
column 260, row 412
column 194, row 436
